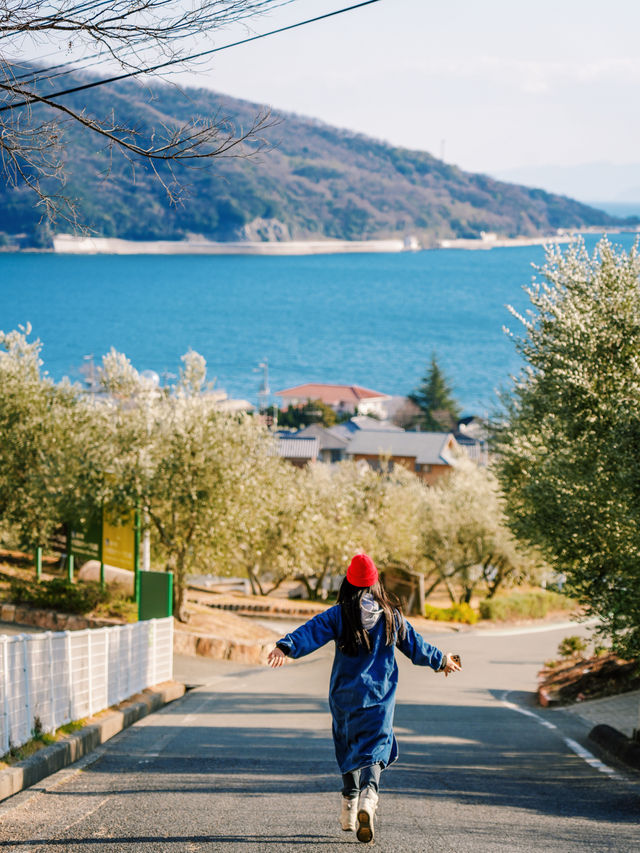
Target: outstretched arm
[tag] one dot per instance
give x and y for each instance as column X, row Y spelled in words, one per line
column 307, row 638
column 422, row 653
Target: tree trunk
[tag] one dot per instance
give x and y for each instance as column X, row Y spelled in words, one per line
column 275, row 586
column 254, row 580
column 180, row 612
column 428, row 592
column 452, row 594
column 495, row 584
column 305, row 580
column 467, row 592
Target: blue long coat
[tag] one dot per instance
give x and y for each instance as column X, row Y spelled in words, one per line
column 362, row 692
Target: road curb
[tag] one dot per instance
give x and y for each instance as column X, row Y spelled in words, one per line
column 52, row 758
column 617, row 744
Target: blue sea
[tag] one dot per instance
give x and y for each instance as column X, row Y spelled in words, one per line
column 371, row 320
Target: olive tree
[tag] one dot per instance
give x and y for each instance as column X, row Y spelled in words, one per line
column 465, row 535
column 568, row 440
column 51, row 446
column 337, row 519
column 194, row 469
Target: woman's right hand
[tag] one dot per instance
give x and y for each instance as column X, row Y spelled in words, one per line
column 276, row 657
column 451, row 665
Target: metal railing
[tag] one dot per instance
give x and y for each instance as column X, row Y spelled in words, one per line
column 47, row 680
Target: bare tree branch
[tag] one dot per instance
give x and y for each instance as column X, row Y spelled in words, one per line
column 134, row 34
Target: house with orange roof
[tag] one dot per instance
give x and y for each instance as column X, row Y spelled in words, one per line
column 342, row 398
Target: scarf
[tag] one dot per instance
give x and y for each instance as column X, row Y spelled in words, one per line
column 370, row 611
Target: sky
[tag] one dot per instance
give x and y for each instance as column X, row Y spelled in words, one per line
column 492, row 85
column 498, row 86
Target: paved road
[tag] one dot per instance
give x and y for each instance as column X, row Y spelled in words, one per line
column 245, row 763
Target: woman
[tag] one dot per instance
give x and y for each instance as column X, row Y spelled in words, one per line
column 366, row 627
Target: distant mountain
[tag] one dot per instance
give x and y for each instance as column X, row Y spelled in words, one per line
column 316, row 182
column 606, row 182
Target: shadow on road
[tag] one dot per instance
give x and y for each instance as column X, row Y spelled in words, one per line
column 479, row 754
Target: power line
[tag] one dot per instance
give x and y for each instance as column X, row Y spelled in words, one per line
column 31, row 100
column 43, row 74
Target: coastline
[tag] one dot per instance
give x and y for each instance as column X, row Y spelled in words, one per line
column 492, row 241
column 67, row 244
column 484, row 244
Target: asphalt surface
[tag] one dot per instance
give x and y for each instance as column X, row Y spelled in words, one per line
column 245, row 763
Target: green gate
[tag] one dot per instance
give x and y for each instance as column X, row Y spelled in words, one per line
column 155, row 599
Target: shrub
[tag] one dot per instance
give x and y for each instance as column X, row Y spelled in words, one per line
column 58, row 594
column 455, row 613
column 528, row 605
column 572, row 646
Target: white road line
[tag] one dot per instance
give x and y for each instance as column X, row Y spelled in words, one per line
column 575, row 747
column 533, row 629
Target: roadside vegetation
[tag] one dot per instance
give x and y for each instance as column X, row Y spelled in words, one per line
column 525, row 605
column 39, row 739
column 61, row 595
column 585, row 670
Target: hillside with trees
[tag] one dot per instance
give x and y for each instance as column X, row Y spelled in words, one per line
column 310, row 181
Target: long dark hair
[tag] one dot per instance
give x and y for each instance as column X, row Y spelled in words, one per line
column 354, row 637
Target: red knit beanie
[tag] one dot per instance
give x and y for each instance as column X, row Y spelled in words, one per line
column 362, row 571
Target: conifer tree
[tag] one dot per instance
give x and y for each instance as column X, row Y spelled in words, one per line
column 434, row 397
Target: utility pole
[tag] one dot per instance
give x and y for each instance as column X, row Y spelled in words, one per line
column 264, row 392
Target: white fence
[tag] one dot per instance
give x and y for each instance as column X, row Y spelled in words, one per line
column 47, row 680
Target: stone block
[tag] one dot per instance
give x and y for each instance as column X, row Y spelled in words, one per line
column 8, row 612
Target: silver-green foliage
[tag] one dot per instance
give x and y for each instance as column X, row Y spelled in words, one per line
column 568, row 446
column 215, row 495
column 50, row 439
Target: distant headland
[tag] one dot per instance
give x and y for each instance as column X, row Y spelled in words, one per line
column 315, row 188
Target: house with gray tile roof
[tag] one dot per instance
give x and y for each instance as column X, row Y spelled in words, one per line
column 428, row 454
column 299, row 450
column 331, row 446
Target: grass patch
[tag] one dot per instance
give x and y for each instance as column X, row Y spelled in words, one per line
column 117, row 606
column 526, row 605
column 456, row 613
column 39, row 740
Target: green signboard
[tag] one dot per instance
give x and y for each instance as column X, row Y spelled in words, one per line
column 85, row 544
column 116, row 545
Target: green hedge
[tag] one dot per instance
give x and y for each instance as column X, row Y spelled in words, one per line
column 525, row 605
column 455, row 613
column 58, row 594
